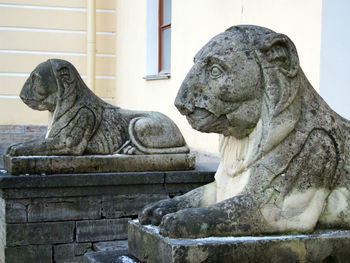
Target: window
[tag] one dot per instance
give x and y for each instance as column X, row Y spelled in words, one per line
column 158, row 39
column 164, row 36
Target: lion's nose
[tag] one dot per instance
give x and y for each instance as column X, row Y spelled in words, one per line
column 183, row 107
column 184, row 101
column 23, row 95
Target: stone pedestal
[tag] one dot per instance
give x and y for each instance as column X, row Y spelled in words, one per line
column 147, row 245
column 97, row 163
column 58, row 218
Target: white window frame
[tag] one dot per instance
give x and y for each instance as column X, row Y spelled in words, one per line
column 152, row 50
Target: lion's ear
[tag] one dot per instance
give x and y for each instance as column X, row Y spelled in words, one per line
column 67, row 82
column 280, row 51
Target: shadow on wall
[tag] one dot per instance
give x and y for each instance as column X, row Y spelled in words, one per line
column 12, row 134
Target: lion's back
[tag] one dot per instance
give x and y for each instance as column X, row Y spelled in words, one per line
column 111, row 133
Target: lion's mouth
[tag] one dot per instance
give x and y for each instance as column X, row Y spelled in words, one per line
column 34, row 104
column 31, row 103
column 204, row 121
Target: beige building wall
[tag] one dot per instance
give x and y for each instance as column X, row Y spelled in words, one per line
column 194, row 22
column 32, row 31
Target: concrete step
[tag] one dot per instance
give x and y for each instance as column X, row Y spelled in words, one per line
column 109, row 257
column 110, row 252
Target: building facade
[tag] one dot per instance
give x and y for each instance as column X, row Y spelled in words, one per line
column 144, row 47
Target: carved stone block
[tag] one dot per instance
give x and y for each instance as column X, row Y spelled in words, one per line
column 30, row 254
column 73, row 252
column 101, row 230
column 324, row 246
column 39, row 233
column 64, row 210
column 97, row 163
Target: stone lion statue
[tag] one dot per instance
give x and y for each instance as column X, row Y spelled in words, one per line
column 284, row 153
column 81, row 123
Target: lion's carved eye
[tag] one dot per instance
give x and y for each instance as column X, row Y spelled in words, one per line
column 35, row 76
column 37, row 85
column 216, row 71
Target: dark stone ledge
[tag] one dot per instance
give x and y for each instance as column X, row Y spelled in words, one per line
column 203, row 173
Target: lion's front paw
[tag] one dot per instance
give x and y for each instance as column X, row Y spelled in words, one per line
column 173, row 226
column 15, row 150
column 130, row 150
column 153, row 213
column 187, row 223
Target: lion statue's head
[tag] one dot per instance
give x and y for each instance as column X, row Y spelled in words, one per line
column 51, row 83
column 244, row 79
column 55, row 85
column 39, row 90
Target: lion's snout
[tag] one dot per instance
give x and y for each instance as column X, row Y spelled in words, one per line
column 184, row 108
column 25, row 89
column 184, row 99
column 182, row 104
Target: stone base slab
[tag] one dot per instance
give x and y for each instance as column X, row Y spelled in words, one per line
column 97, row 163
column 147, row 245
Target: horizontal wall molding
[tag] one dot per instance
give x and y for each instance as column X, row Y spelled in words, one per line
column 58, row 8
column 47, row 30
column 101, row 77
column 52, row 53
column 4, row 96
column 14, row 74
column 100, row 4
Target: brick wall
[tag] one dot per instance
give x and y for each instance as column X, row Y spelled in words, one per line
column 62, row 230
column 2, row 231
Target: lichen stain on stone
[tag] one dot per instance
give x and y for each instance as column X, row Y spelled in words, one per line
column 288, row 252
column 196, row 255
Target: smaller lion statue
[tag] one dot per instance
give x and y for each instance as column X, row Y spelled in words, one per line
column 82, row 123
column 285, row 165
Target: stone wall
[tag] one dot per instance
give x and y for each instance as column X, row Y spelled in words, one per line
column 12, row 134
column 2, row 231
column 58, row 218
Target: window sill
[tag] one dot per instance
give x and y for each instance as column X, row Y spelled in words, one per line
column 157, row 76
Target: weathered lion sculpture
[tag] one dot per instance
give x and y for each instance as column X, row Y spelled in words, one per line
column 82, row 123
column 285, row 154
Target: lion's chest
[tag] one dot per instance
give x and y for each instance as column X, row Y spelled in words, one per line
column 51, row 119
column 233, row 173
column 228, row 186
